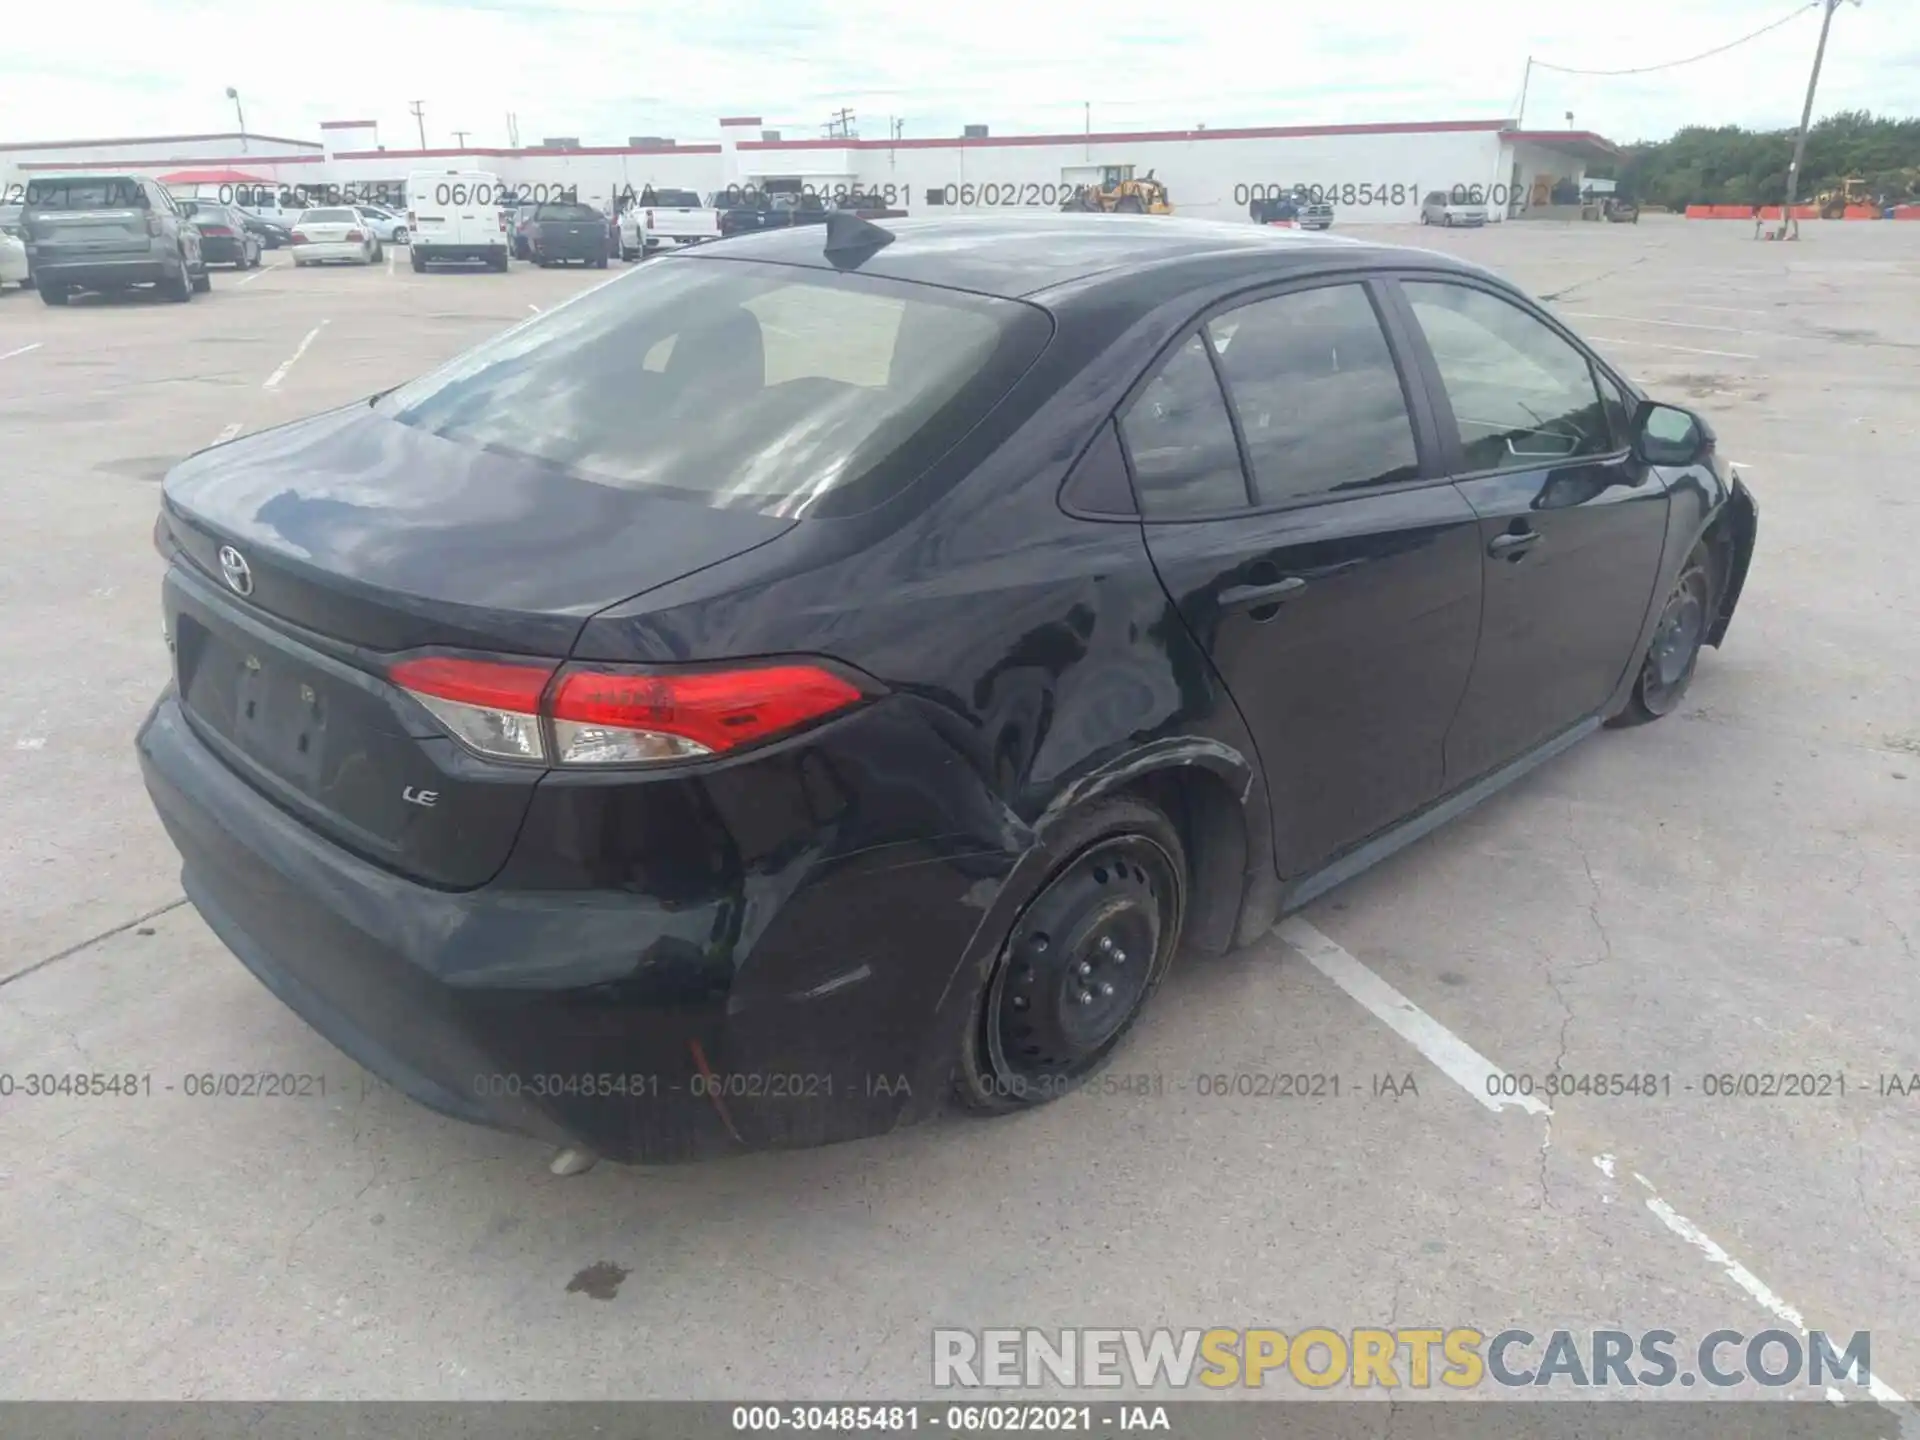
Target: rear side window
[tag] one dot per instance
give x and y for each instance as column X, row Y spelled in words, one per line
column 1186, row 463
column 1522, row 396
column 85, row 194
column 737, row 384
column 1315, row 390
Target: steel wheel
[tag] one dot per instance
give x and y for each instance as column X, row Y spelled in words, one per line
column 1674, row 652
column 1080, row 962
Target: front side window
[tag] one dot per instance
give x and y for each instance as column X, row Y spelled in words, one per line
column 736, row 384
column 1522, row 396
column 1186, row 464
column 1315, row 389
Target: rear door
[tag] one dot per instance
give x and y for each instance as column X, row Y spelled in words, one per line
column 1571, row 526
column 1297, row 513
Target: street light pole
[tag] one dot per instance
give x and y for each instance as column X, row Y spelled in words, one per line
column 234, row 95
column 1806, row 117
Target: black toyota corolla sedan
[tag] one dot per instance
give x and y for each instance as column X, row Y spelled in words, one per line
column 831, row 671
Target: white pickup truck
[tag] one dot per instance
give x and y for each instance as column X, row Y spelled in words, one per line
column 663, row 219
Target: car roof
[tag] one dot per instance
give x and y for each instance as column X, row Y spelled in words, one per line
column 1022, row 255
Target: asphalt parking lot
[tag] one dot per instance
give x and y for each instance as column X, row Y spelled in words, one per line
column 1734, row 890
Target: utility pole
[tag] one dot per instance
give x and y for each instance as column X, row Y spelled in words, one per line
column 1526, row 78
column 513, row 131
column 419, row 109
column 1806, row 118
column 1086, row 109
column 459, row 138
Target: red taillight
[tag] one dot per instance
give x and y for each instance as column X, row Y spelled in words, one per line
column 503, row 224
column 153, row 224
column 411, row 222
column 356, row 235
column 604, row 716
column 297, row 239
column 216, row 230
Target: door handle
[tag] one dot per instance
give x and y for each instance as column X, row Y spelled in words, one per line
column 1248, row 597
column 1513, row 546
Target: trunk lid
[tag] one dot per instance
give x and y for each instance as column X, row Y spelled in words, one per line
column 356, row 537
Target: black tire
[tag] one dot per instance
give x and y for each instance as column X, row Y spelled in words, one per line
column 1674, row 652
column 203, row 282
column 419, row 263
column 498, row 262
column 400, row 235
column 52, row 294
column 1130, row 205
column 1080, row 962
column 180, row 289
column 599, row 262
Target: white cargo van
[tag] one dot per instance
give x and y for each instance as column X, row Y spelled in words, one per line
column 457, row 215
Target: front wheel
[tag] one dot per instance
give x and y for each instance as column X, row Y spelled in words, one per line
column 1080, row 963
column 1674, row 651
column 53, row 294
column 203, row 282
column 400, row 235
column 180, row 289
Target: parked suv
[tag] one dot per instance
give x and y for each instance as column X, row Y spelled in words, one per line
column 107, row 232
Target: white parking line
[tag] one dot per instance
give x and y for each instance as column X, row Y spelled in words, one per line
column 389, row 262
column 1746, row 1279
column 22, row 350
column 1463, row 1064
column 273, row 380
column 1674, row 324
column 228, row 433
column 257, row 274
column 1684, row 349
column 533, row 307
column 1474, row 1073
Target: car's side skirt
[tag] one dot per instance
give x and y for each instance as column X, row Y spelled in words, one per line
column 1424, row 822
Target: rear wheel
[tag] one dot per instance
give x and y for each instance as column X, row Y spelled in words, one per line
column 202, row 281
column 400, row 235
column 1130, row 205
column 1674, row 651
column 419, row 261
column 52, row 293
column 599, row 262
column 180, row 288
column 1081, row 961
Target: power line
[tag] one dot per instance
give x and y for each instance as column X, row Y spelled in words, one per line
column 1671, row 64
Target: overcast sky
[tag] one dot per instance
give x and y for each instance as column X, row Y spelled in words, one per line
column 606, row 69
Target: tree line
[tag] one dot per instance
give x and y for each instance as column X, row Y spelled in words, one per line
column 1727, row 165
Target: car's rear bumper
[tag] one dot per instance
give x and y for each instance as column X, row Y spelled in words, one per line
column 588, row 249
column 89, row 271
column 427, row 249
column 810, row 989
column 334, row 250
column 216, row 250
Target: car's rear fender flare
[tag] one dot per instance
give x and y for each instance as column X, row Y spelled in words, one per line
column 1215, row 795
column 1734, row 528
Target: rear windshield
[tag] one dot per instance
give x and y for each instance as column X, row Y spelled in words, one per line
column 328, row 217
column 736, row 384
column 85, row 194
column 566, row 211
column 676, row 199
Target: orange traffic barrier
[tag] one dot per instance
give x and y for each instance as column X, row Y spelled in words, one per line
column 1699, row 212
column 1907, row 212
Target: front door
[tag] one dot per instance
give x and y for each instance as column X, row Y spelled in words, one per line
column 1333, row 578
column 1571, row 525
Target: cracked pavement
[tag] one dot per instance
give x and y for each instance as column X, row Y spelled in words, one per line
column 1735, row 889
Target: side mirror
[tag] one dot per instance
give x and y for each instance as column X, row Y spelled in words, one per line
column 1669, row 435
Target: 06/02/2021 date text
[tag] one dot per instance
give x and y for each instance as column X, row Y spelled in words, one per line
column 128, row 1084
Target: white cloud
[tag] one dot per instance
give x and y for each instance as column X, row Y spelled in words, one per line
column 607, row 69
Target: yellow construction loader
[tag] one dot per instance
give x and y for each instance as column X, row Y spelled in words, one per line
column 1125, row 197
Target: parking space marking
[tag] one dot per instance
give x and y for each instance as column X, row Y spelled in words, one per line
column 533, row 307
column 273, row 380
column 1479, row 1077
column 22, row 350
column 1456, row 1059
column 1675, row 324
column 228, row 433
column 1749, row 1282
column 389, row 262
column 1684, row 349
column 257, row 274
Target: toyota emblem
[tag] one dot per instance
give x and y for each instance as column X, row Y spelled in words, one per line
column 239, row 574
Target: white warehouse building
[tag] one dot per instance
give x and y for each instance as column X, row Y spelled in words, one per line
column 1373, row 173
